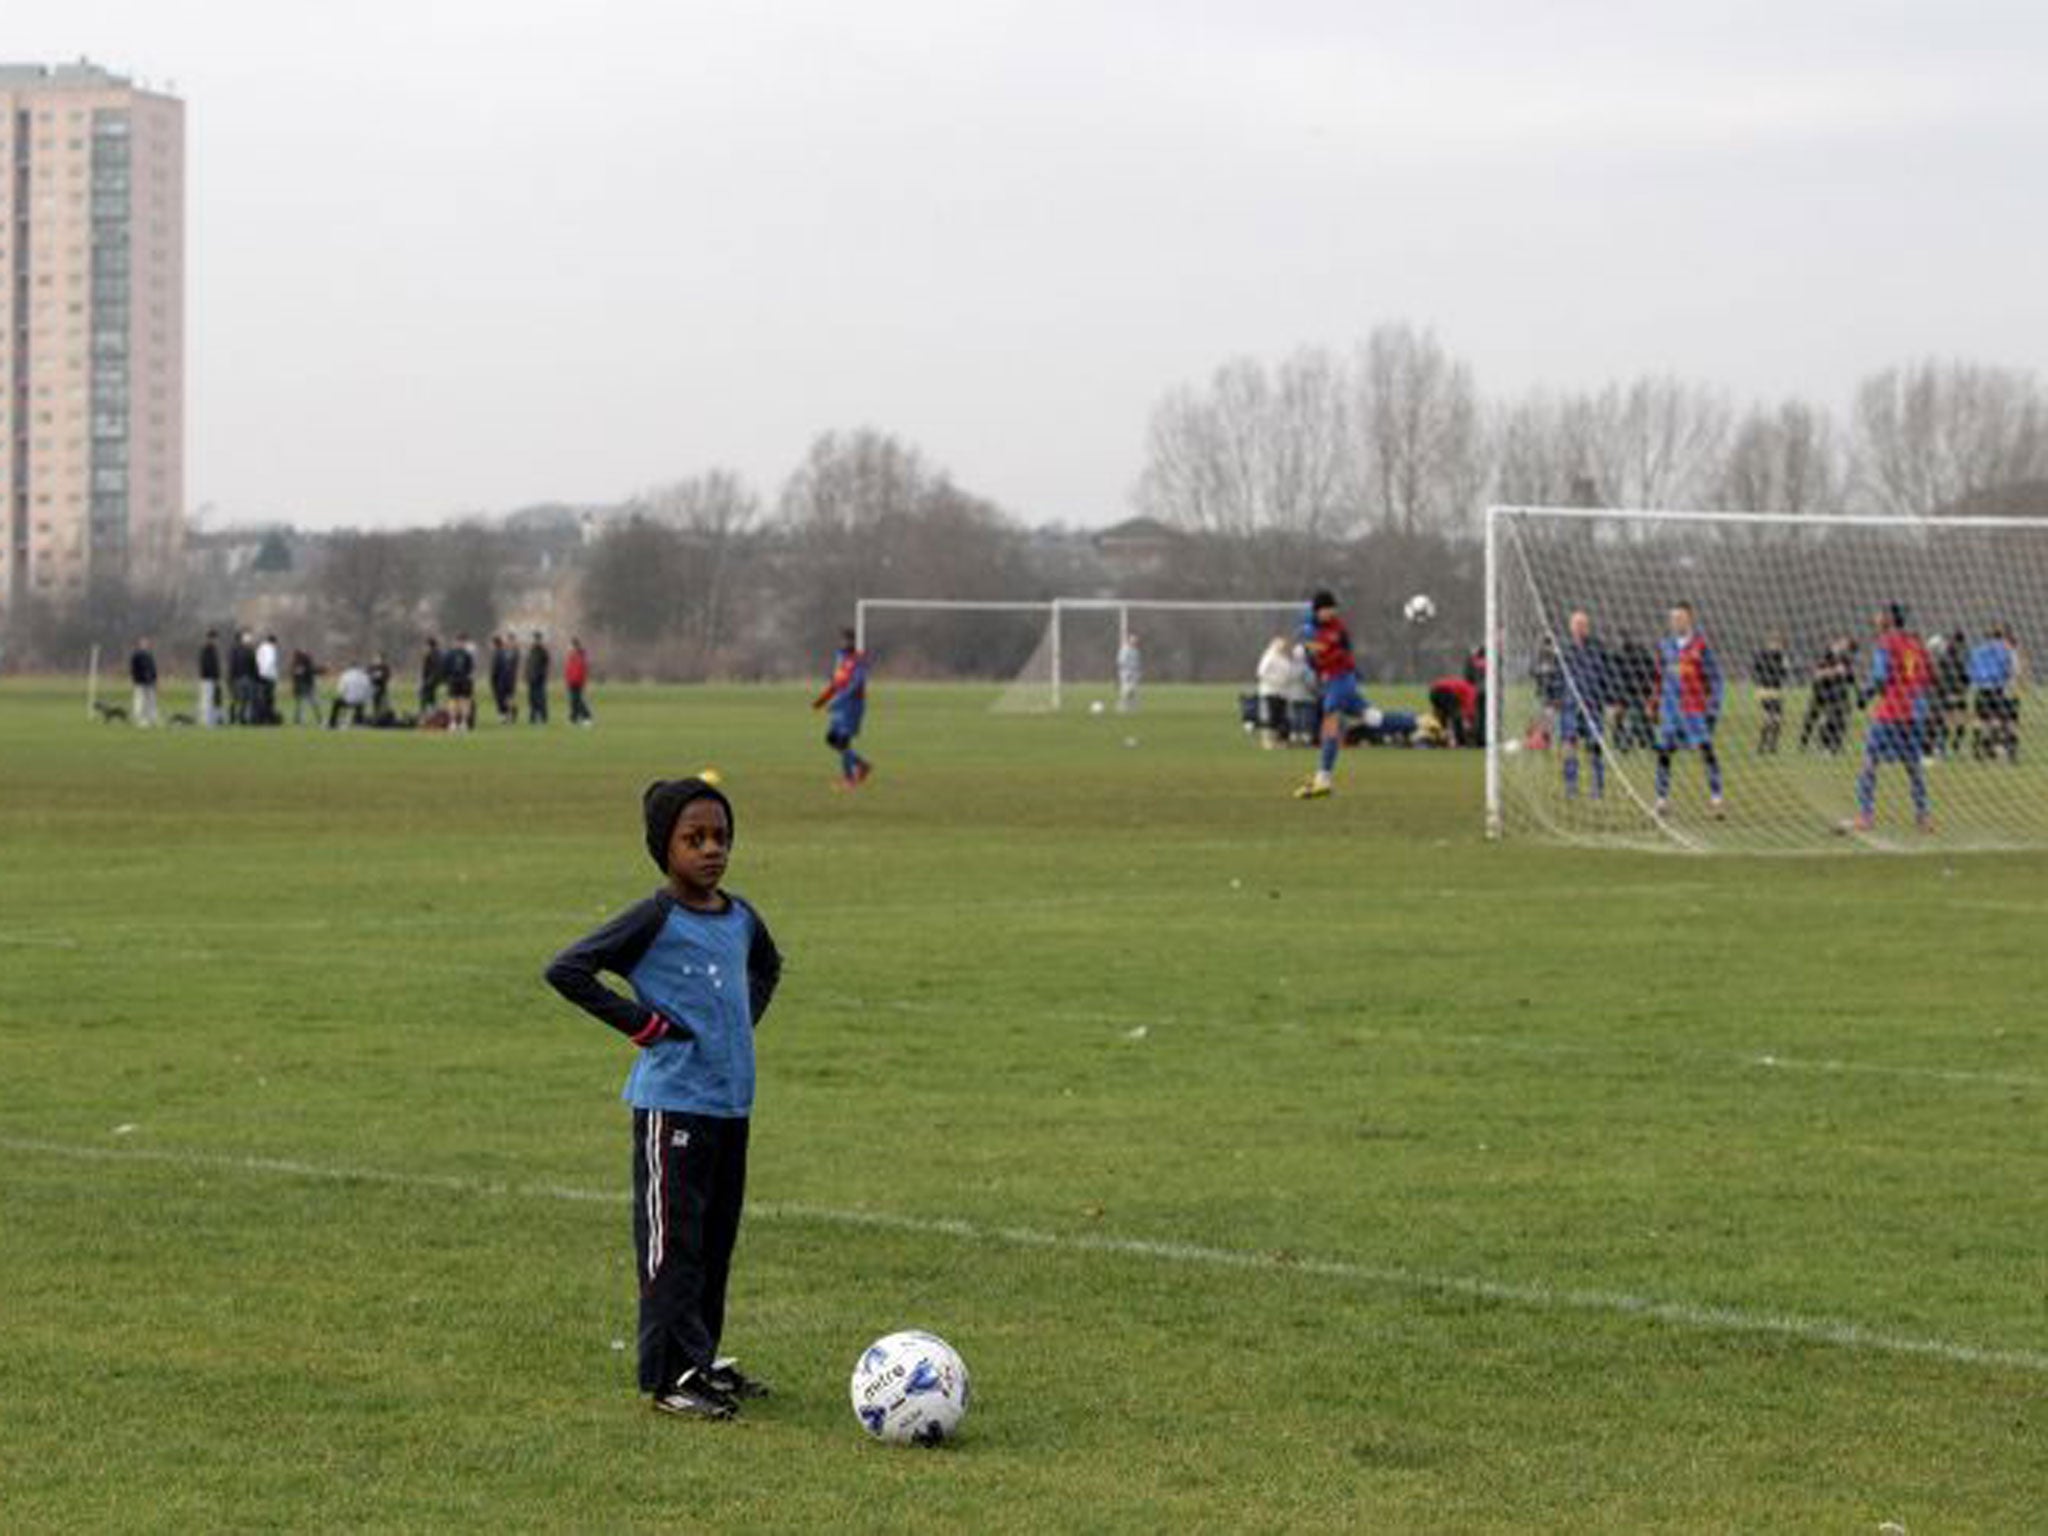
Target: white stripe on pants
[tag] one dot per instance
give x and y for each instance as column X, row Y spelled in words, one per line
column 657, row 1211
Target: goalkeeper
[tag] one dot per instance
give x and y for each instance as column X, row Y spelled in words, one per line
column 1689, row 694
column 1585, row 685
column 1901, row 675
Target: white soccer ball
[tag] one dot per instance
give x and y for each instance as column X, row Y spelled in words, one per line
column 1095, row 707
column 910, row 1388
column 1419, row 609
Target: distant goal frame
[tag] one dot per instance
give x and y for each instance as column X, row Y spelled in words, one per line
column 1056, row 609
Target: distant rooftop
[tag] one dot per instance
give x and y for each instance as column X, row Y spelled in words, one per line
column 83, row 75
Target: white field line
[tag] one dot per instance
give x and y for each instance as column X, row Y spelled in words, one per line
column 1876, row 1069
column 1757, row 1061
column 1690, row 1316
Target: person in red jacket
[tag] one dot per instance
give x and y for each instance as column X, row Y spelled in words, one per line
column 1455, row 703
column 576, row 677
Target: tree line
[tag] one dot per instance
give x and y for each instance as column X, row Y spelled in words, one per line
column 1396, row 435
column 1363, row 468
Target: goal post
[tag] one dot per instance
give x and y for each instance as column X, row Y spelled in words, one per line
column 1777, row 706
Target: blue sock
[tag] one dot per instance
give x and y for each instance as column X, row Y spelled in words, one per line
column 1713, row 776
column 1919, row 783
column 848, row 761
column 1866, row 789
column 1571, row 775
column 1663, row 775
column 1599, row 773
column 1329, row 753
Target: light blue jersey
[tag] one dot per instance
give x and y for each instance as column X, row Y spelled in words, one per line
column 695, row 972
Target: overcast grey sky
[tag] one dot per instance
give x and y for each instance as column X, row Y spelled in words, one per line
column 453, row 255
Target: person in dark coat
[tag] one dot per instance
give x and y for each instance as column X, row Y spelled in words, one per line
column 537, row 681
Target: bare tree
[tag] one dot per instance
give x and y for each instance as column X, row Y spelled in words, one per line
column 850, row 481
column 865, row 516
column 715, row 514
column 630, row 580
column 1542, row 451
column 1422, row 452
column 366, row 586
column 1931, row 435
column 38, row 632
column 1254, row 452
column 1657, row 442
column 833, row 511
column 1783, row 459
column 468, row 563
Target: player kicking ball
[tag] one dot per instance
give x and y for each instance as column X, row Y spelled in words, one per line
column 1328, row 646
column 1901, row 673
column 1689, row 692
column 847, row 694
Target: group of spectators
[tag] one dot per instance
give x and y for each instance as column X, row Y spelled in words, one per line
column 1975, row 695
column 448, row 680
column 239, row 684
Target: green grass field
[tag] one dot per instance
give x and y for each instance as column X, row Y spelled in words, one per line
column 1274, row 1166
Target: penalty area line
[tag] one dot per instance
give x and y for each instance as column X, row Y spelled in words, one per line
column 1692, row 1317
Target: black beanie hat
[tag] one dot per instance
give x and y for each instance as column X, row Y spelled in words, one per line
column 663, row 802
column 1325, row 598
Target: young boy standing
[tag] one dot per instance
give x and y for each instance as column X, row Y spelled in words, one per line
column 702, row 968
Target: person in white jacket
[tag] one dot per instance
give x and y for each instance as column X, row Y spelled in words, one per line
column 1130, row 670
column 1278, row 674
column 266, row 682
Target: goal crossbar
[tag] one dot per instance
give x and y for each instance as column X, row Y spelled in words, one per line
column 1798, row 519
column 1055, row 609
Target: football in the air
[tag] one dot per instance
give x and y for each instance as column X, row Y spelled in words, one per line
column 910, row 1388
column 1420, row 609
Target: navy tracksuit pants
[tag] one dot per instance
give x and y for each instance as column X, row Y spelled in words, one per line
column 689, row 1182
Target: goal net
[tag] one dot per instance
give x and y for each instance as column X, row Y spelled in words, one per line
column 1108, row 651
column 949, row 638
column 1810, row 752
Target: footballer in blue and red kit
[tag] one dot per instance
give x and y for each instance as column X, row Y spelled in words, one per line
column 1327, row 643
column 1689, row 694
column 847, row 695
column 1900, row 699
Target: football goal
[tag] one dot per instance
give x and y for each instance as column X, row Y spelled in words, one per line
column 1779, row 684
column 1074, row 647
column 950, row 637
